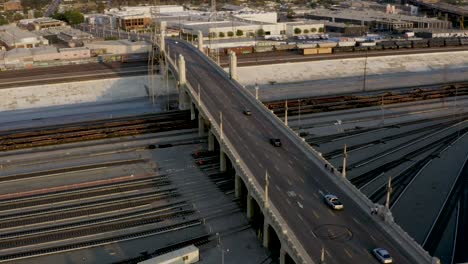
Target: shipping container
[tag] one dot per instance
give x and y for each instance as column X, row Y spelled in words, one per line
column 366, row 43
column 306, row 46
column 423, row 43
column 327, row 44
column 450, row 42
column 342, row 49
column 347, row 43
column 436, row 42
column 403, row 44
column 239, row 50
column 285, row 47
column 464, row 41
column 263, row 48
column 310, row 51
column 324, row 50
column 361, row 48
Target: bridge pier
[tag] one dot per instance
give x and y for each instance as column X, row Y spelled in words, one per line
column 211, row 142
column 192, row 111
column 266, row 234
column 222, row 160
column 233, row 66
column 250, row 207
column 200, row 41
column 237, row 184
column 201, row 125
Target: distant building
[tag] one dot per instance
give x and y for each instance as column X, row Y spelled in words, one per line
column 13, row 37
column 346, row 29
column 41, row 23
column 74, row 53
column 138, row 17
column 118, row 47
column 12, row 5
column 377, row 20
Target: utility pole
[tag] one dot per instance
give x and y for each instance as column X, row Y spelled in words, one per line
column 389, row 192
column 286, row 113
column 345, row 156
column 267, row 183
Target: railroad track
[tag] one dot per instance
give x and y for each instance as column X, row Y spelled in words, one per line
column 344, row 102
column 428, row 129
column 70, row 169
column 93, row 206
column 84, row 194
column 317, row 140
column 100, row 129
column 360, row 180
column 155, row 211
column 457, row 193
column 92, row 243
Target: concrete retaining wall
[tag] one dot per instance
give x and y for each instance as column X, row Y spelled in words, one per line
column 329, row 69
column 78, row 92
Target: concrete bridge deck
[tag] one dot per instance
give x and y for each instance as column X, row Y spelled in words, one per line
column 292, row 203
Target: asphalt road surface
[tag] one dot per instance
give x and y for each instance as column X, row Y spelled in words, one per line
column 296, row 182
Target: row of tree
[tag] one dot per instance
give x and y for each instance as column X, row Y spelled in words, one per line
column 72, row 17
column 306, row 31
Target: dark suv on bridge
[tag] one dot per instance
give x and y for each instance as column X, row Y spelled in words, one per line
column 275, row 142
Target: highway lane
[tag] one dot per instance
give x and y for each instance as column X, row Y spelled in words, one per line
column 290, row 171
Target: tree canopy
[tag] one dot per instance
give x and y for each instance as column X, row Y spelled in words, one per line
column 72, row 17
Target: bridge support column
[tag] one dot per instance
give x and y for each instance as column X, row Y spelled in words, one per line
column 233, row 66
column 266, row 233
column 184, row 99
column 222, row 160
column 201, row 125
column 282, row 256
column 237, row 184
column 211, row 141
column 162, row 42
column 200, row 41
column 192, row 111
column 250, row 207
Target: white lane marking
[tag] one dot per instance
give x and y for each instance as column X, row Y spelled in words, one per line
column 300, row 217
column 291, row 193
column 289, row 165
column 302, row 198
column 289, row 181
column 321, row 193
column 328, row 253
column 348, row 253
column 357, row 222
column 301, row 179
column 315, row 214
column 278, row 188
column 331, row 212
column 373, row 238
column 316, row 195
column 289, row 202
column 312, row 233
column 300, row 205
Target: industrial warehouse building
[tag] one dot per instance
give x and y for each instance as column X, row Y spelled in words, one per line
column 13, row 37
column 377, row 20
column 118, row 47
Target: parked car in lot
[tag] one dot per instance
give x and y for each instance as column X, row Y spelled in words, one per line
column 333, row 202
column 382, row 255
column 247, row 112
column 275, row 142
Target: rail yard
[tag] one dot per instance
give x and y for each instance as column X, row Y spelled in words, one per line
column 121, row 180
column 415, row 138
